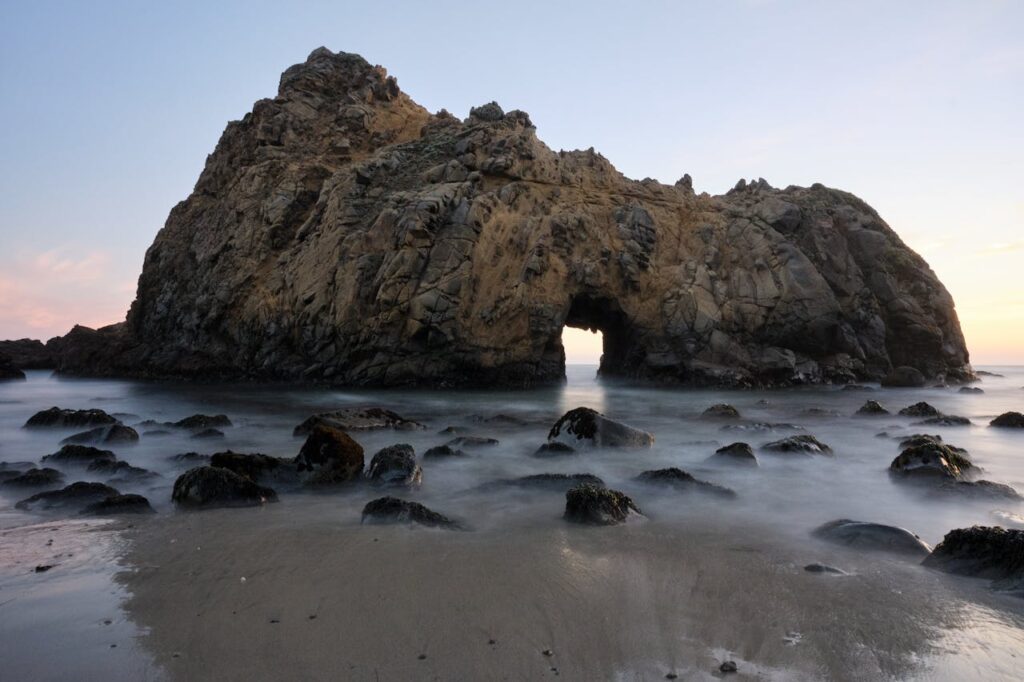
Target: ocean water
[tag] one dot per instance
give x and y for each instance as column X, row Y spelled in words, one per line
column 777, row 505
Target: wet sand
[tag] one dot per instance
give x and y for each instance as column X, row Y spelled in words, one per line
column 325, row 598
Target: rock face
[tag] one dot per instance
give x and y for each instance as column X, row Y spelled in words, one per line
column 103, row 435
column 1009, row 420
column 932, row 460
column 340, row 232
column 683, row 481
column 395, row 465
column 80, row 494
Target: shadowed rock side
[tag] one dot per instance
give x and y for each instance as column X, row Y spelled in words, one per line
column 342, row 233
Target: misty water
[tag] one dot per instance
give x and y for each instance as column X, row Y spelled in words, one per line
column 777, row 503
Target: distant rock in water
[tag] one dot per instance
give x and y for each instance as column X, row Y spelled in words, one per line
column 77, row 495
column 56, row 417
column 559, row 482
column 983, row 552
column 921, row 409
column 359, row 419
column 678, row 479
column 873, row 536
column 44, row 477
column 395, row 465
column 554, row 449
column 202, row 422
column 443, row 452
column 872, row 408
column 459, row 249
column 805, row 444
column 598, row 506
column 80, row 455
column 740, row 453
column 980, row 490
column 119, row 504
column 970, row 389
column 584, row 426
column 104, row 435
column 1009, row 420
column 208, row 486
column 930, row 459
column 905, row 377
column 395, row 510
column 329, row 456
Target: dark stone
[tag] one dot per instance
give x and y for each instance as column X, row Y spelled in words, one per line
column 208, row 486
column 931, row 460
column 102, row 435
column 946, row 420
column 980, row 489
column 872, row 536
column 56, row 417
column 822, row 568
column 506, row 419
column 598, row 506
column 1009, row 420
column 121, row 470
column 190, row 458
column 79, row 495
column 680, row 480
column 200, row 422
column 983, row 552
column 741, row 453
column 559, row 482
column 722, row 411
column 395, row 465
column 921, row 409
column 728, row 667
column 554, row 449
column 80, row 455
column 258, row 468
column 872, row 408
column 857, row 387
column 970, row 389
column 442, row 452
column 584, row 426
column 329, row 456
column 819, row 412
column 904, row 377
column 762, row 426
column 35, row 478
column 920, row 439
column 805, row 444
column 120, row 504
column 471, row 442
column 207, row 434
column 359, row 419
column 394, row 510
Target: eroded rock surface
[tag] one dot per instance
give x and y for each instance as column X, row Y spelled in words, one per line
column 342, row 233
column 873, row 536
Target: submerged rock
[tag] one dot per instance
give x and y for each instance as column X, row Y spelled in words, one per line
column 56, row 417
column 80, row 455
column 443, row 452
column 722, row 411
column 554, row 449
column 560, row 482
column 202, row 422
column 44, row 477
column 921, row 409
column 857, row 387
column 208, row 486
column 123, row 471
column 190, row 458
column 904, row 377
column 119, row 504
column 805, row 444
column 359, row 419
column 822, row 568
column 395, row 465
column 970, row 389
column 740, row 453
column 980, row 489
column 102, row 435
column 946, row 420
column 872, row 536
column 1009, row 420
column 931, row 460
column 681, row 480
column 395, row 510
column 78, row 495
column 872, row 408
column 259, row 468
column 471, row 442
column 584, row 426
column 207, row 434
column 598, row 506
column 983, row 552
column 329, row 456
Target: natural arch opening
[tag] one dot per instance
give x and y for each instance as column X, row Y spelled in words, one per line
column 596, row 331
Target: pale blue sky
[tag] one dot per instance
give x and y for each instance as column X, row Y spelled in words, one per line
column 109, row 110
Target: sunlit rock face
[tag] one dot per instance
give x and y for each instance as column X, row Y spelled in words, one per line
column 342, row 233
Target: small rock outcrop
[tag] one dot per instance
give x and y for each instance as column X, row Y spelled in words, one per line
column 202, row 422
column 559, row 482
column 342, row 233
column 983, row 552
column 59, row 418
column 980, row 489
column 119, row 504
column 921, row 409
column 873, row 536
column 722, row 411
column 44, row 477
column 587, row 427
column 554, row 449
column 1009, row 420
column 205, row 487
column 395, row 510
column 258, row 468
column 395, row 465
column 872, row 408
column 329, row 456
column 739, row 453
column 802, row 444
column 443, row 452
column 359, row 419
column 77, row 495
column 598, row 506
column 677, row 479
column 79, row 455
column 471, row 442
column 104, row 435
column 931, row 460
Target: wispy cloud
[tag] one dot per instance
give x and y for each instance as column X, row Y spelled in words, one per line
column 1006, row 247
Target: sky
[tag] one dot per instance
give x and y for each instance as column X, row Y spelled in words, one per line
column 110, row 108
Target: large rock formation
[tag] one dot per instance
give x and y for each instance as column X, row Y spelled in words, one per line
column 340, row 232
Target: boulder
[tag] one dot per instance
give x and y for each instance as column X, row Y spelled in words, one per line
column 680, row 480
column 443, row 452
column 395, row 510
column 395, row 465
column 59, row 418
column 470, row 442
column 584, row 426
column 190, row 458
column 201, row 422
column 980, row 490
column 872, row 408
column 970, row 389
column 359, row 419
column 930, row 460
column 77, row 495
column 207, row 486
column 554, row 449
column 921, row 409
column 122, row 471
column 904, row 377
column 119, row 504
column 104, row 435
column 598, row 506
column 739, row 453
column 1009, row 420
column 208, row 434
column 857, row 387
column 259, row 468
column 946, row 420
column 79, row 455
column 558, row 482
column 872, row 536
column 920, row 439
column 329, row 456
column 804, row 443
column 722, row 411
column 44, row 477
column 983, row 552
